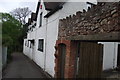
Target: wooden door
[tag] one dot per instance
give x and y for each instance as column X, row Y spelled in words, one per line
column 62, row 52
column 90, row 60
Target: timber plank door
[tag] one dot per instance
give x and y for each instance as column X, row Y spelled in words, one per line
column 118, row 57
column 62, row 51
column 90, row 60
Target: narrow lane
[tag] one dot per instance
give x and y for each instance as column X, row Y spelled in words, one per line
column 22, row 67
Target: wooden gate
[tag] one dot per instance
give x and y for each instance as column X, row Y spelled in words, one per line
column 90, row 60
column 62, row 54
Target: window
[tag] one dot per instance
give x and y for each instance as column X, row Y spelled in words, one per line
column 27, row 43
column 40, row 19
column 34, row 24
column 40, row 44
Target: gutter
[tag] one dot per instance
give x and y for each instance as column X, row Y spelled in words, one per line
column 91, row 3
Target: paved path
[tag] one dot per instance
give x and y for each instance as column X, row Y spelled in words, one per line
column 22, row 67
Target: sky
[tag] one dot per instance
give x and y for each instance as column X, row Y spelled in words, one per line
column 9, row 5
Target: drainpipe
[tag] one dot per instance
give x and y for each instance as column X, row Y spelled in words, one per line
column 45, row 44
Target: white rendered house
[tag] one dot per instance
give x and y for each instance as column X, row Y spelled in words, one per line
column 111, row 55
column 43, row 33
column 46, row 32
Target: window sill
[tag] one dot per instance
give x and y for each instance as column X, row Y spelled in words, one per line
column 40, row 50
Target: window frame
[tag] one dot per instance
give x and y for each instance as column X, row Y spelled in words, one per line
column 27, row 43
column 41, row 45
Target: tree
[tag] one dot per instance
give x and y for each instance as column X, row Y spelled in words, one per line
column 11, row 31
column 21, row 14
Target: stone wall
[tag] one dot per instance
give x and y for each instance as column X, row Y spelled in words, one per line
column 101, row 18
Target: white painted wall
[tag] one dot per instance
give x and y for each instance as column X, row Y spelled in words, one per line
column 52, row 34
column 110, row 55
column 71, row 8
column 40, row 33
column 25, row 48
column 40, row 56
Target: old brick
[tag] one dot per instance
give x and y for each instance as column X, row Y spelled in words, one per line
column 104, row 21
column 115, row 15
column 102, row 18
column 114, row 11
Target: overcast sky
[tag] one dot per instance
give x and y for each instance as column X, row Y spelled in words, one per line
column 9, row 5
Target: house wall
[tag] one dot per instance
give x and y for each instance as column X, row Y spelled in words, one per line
column 40, row 33
column 40, row 56
column 49, row 32
column 52, row 32
column 110, row 55
column 71, row 8
column 4, row 56
column 26, row 48
column 92, row 22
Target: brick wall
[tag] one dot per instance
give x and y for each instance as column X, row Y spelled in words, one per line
column 101, row 18
column 57, row 58
column 70, row 60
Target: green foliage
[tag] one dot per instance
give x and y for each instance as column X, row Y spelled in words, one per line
column 6, row 40
column 11, row 32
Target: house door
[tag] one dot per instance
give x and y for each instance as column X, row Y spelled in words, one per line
column 118, row 57
column 62, row 51
column 90, row 60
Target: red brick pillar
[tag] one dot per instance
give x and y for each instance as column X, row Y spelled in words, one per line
column 69, row 59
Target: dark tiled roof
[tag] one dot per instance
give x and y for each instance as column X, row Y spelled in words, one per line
column 52, row 5
column 53, row 11
column 38, row 5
